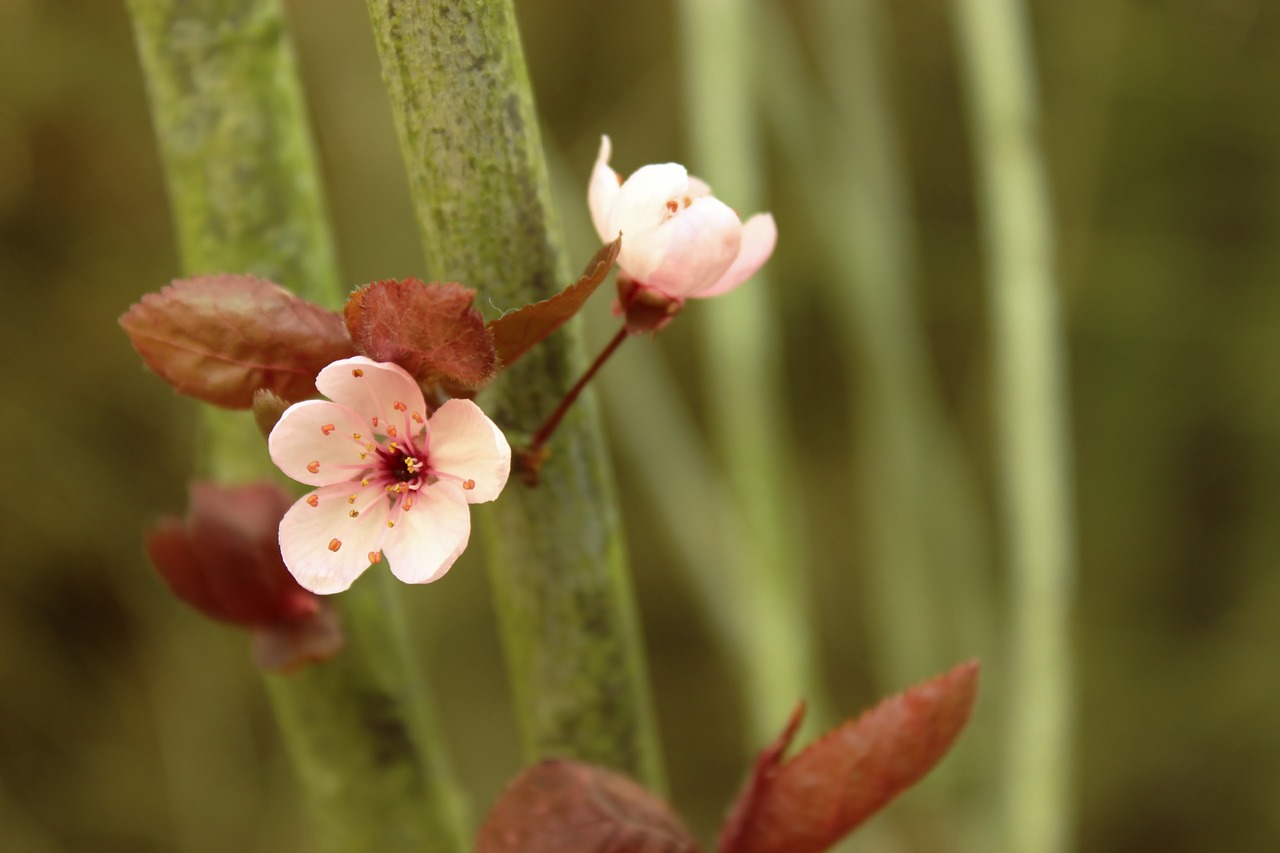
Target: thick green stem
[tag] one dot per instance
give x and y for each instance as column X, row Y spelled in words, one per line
column 463, row 106
column 743, row 378
column 996, row 57
column 243, row 184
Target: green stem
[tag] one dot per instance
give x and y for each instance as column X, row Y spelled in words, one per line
column 464, row 110
column 996, row 57
column 242, row 180
column 743, row 377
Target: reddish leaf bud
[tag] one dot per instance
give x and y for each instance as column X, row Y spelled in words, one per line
column 268, row 406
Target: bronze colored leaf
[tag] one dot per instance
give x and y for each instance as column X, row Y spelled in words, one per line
column 220, row 338
column 516, row 332
column 567, row 807
column 431, row 330
column 807, row 804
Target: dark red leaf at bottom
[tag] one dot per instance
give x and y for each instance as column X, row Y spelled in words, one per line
column 567, row 807
column 807, row 804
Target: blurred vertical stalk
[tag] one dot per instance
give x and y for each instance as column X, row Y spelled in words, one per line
column 463, row 106
column 996, row 55
column 742, row 380
column 926, row 549
column 924, row 544
column 242, row 180
column 929, row 559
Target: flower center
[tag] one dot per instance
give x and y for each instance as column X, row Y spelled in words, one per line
column 400, row 464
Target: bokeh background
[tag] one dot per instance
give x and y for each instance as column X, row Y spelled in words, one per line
column 129, row 723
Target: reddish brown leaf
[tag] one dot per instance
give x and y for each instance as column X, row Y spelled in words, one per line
column 567, row 807
column 224, row 560
column 762, row 776
column 431, row 330
column 516, row 332
column 219, row 338
column 807, row 804
column 224, row 557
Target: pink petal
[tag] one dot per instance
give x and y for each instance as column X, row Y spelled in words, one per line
column 308, row 535
column 759, row 236
column 700, row 243
column 602, row 190
column 466, row 444
column 428, row 538
column 313, row 443
column 640, row 208
column 698, row 187
column 373, row 389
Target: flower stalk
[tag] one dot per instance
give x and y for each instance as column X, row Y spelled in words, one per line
column 463, row 107
column 543, row 435
column 242, row 180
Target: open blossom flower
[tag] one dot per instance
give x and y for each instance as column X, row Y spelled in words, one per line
column 390, row 480
column 678, row 240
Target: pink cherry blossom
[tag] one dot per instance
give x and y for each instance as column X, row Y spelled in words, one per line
column 677, row 238
column 390, row 480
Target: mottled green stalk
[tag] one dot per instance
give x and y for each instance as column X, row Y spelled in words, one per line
column 460, row 93
column 743, row 382
column 996, row 56
column 243, row 184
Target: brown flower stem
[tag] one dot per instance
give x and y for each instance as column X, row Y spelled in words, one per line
column 543, row 435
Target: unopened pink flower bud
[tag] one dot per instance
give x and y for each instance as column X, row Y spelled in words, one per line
column 678, row 241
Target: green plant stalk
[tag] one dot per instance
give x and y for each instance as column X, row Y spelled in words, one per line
column 996, row 57
column 463, row 106
column 931, row 558
column 243, row 185
column 743, row 380
column 924, row 544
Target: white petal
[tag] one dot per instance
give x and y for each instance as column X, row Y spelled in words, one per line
column 308, row 534
column 428, row 538
column 698, row 245
column 698, row 188
column 759, row 236
column 378, row 390
column 602, row 190
column 313, row 443
column 638, row 211
column 467, row 445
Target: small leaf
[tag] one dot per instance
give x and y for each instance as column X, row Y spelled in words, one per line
column 431, row 330
column 807, row 804
column 224, row 557
column 516, row 332
column 219, row 338
column 567, row 807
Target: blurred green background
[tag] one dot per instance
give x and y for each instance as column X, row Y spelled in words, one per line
column 129, row 723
